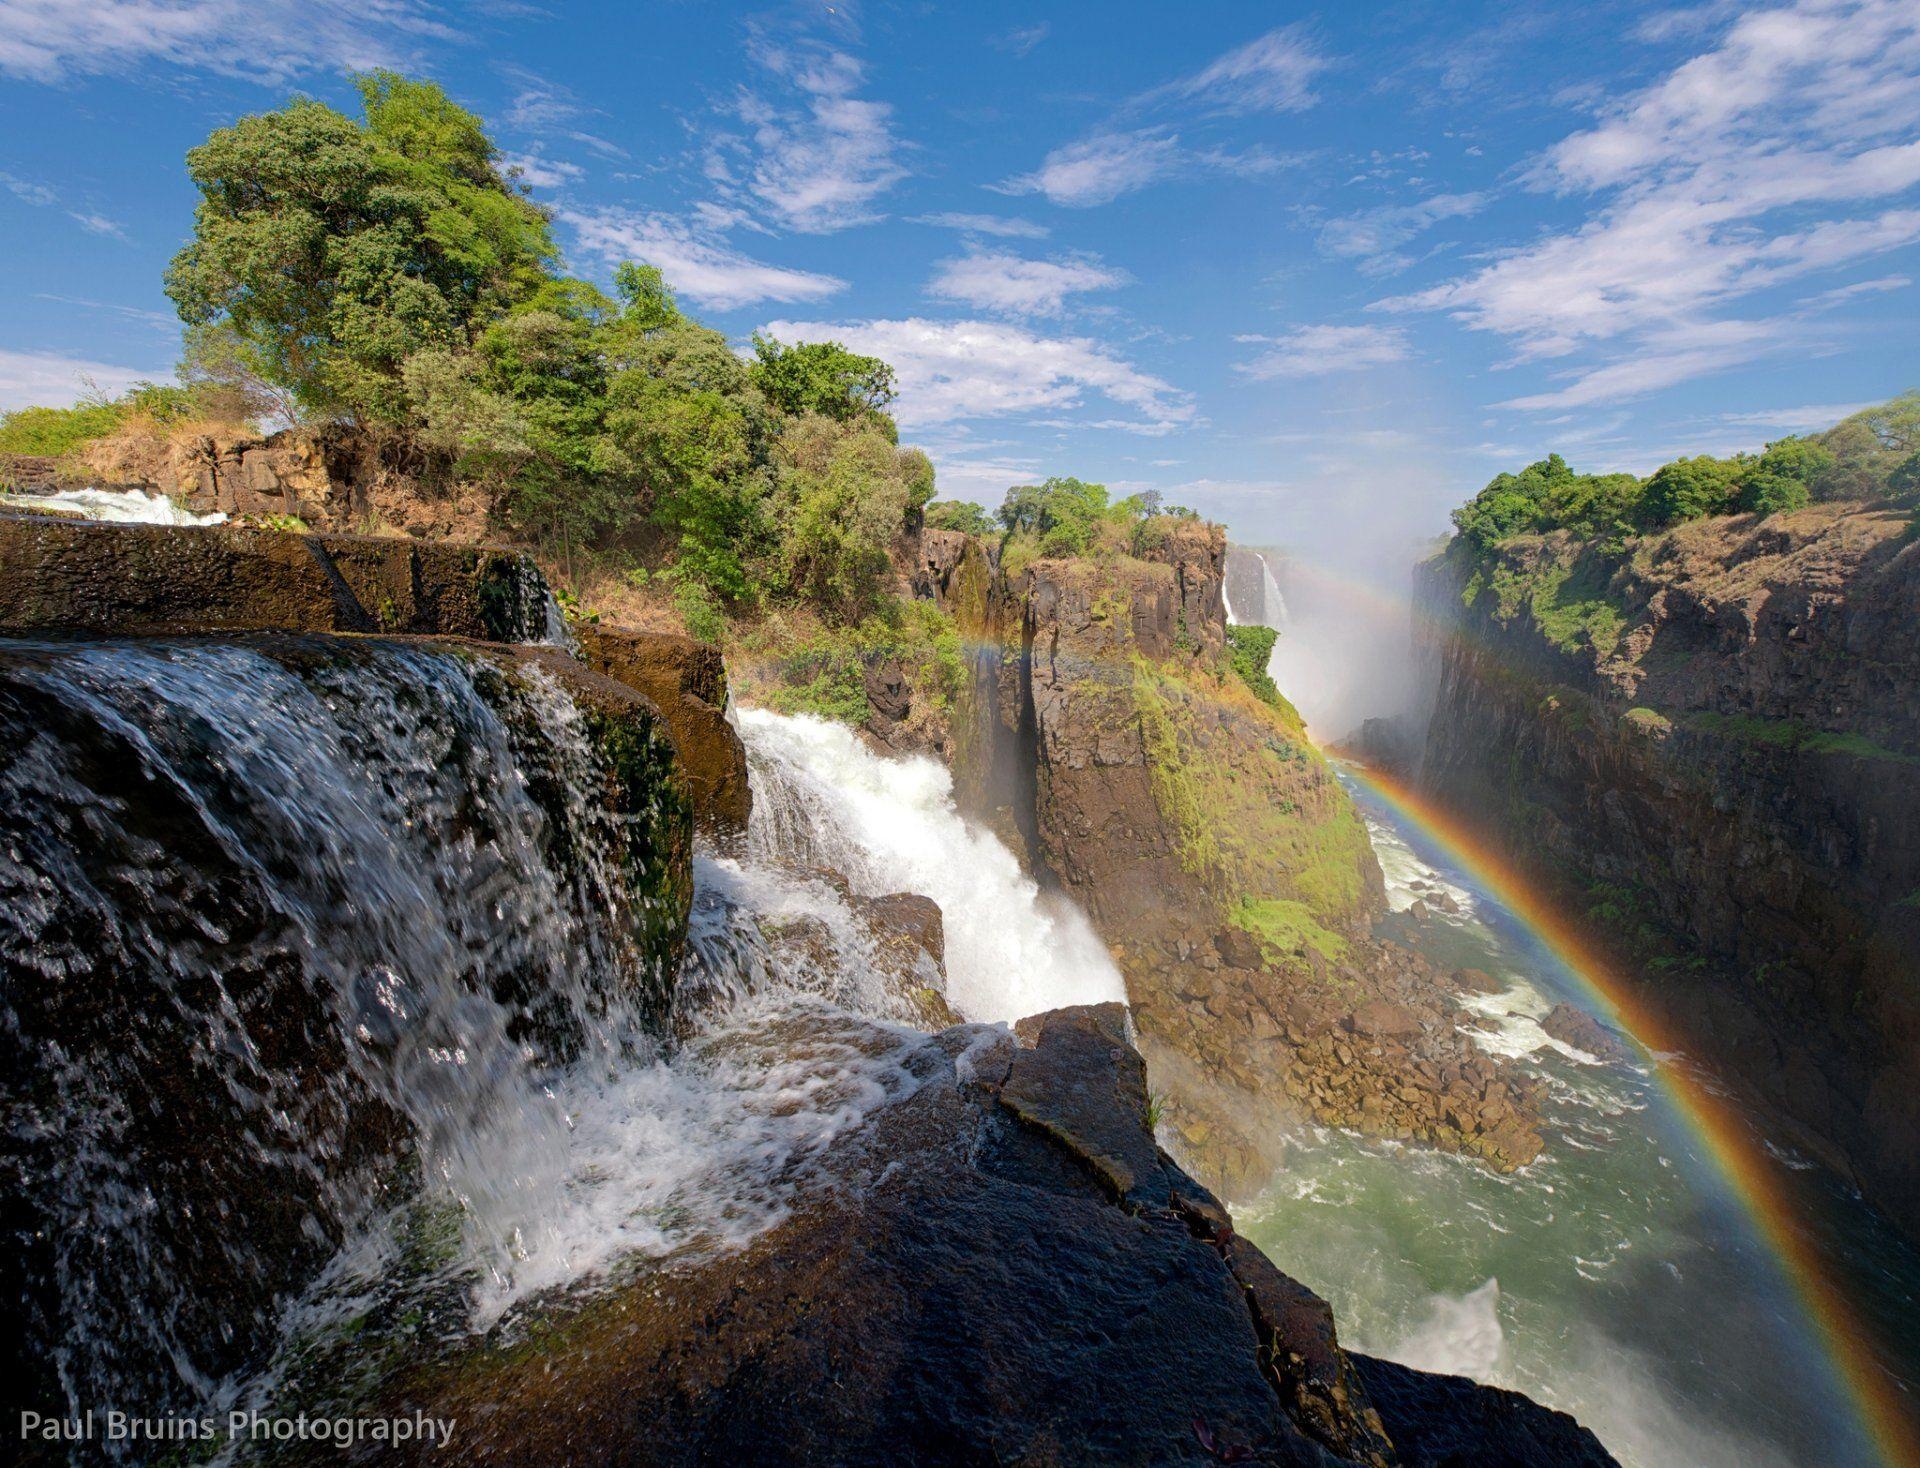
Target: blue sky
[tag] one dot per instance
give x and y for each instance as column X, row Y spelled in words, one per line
column 1311, row 270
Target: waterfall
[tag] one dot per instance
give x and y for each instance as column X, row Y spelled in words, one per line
column 1273, row 603
column 114, row 506
column 821, row 798
column 318, row 999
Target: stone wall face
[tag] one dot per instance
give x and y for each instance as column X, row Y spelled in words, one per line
column 1739, row 776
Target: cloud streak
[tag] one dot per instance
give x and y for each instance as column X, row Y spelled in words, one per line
column 270, row 41
column 697, row 262
column 956, row 371
column 1016, row 286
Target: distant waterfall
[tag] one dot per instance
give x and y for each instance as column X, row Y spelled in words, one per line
column 822, row 798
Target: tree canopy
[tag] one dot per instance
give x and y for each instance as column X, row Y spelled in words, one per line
column 1864, row 457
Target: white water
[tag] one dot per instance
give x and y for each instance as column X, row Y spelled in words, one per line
column 890, row 825
column 113, row 506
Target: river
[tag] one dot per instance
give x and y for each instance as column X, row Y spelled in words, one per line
column 1617, row 1278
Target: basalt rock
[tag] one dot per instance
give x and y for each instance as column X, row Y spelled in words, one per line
column 972, row 1283
column 687, row 682
column 73, row 578
column 1571, row 1025
column 228, row 867
column 1729, row 781
column 1213, row 849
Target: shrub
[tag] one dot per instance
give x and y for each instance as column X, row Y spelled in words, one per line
column 1249, row 648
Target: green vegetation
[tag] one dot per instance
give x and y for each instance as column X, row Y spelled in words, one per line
column 1260, row 818
column 1248, row 650
column 825, row 673
column 1874, row 455
column 1793, row 735
column 388, row 276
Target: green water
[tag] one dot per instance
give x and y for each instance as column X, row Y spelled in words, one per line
column 1615, row 1278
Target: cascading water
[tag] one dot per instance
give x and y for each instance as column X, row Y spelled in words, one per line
column 113, row 506
column 330, row 1000
column 822, row 799
column 312, row 950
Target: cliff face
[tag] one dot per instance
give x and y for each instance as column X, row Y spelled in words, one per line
column 1712, row 744
column 1215, row 853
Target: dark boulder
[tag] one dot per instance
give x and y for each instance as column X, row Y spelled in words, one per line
column 971, row 1283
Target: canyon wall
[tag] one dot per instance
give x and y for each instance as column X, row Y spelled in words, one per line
column 1709, row 743
column 1106, row 737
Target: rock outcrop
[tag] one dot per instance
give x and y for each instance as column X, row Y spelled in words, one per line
column 1710, row 744
column 1002, row 1267
column 687, row 682
column 76, row 578
column 244, row 880
column 1214, row 850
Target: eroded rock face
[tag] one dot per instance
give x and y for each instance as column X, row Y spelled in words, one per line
column 74, row 578
column 1001, row 1268
column 1105, row 740
column 687, row 682
column 1740, row 777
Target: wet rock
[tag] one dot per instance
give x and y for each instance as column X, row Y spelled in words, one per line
column 1571, row 1025
column 909, row 935
column 972, row 1284
column 1448, row 1422
column 687, row 682
column 1380, row 1018
column 1476, row 981
column 72, row 578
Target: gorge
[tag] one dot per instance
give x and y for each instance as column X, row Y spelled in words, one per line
column 566, row 899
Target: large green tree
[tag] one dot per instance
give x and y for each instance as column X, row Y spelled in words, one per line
column 335, row 249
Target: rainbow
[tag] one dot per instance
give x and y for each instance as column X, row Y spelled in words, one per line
column 1754, row 1180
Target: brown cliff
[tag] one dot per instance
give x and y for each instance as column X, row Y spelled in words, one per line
column 1215, row 852
column 1723, row 771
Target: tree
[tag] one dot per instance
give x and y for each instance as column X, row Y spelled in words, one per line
column 821, row 377
column 962, row 515
column 1062, row 513
column 1867, row 447
column 1782, row 478
column 1512, row 504
column 845, row 491
column 335, row 250
column 1687, row 489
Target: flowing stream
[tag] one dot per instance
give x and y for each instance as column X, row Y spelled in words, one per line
column 1615, row 1278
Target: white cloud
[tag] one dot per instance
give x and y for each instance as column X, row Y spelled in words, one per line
column 1807, row 418
column 817, row 160
column 28, row 192
column 40, row 196
column 997, row 281
column 1714, row 182
column 541, row 172
column 1662, row 361
column 1021, row 40
column 1840, row 295
column 953, row 371
column 1099, row 169
column 35, row 379
column 98, row 224
column 1373, row 235
column 993, row 224
column 268, row 41
column 1272, row 73
column 1314, row 351
column 696, row 262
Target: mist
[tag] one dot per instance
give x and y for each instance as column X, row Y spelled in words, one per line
column 1342, row 549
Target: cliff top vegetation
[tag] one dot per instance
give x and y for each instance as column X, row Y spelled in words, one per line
column 1873, row 455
